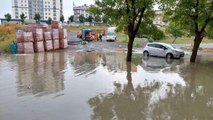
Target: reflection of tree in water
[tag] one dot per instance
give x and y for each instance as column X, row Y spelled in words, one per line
column 157, row 100
column 116, row 62
column 126, row 102
column 41, row 74
column 85, row 63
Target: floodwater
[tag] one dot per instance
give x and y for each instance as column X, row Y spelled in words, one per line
column 102, row 86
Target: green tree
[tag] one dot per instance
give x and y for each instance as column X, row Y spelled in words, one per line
column 89, row 19
column 37, row 17
column 97, row 18
column 71, row 18
column 105, row 19
column 149, row 30
column 62, row 18
column 126, row 14
column 49, row 21
column 23, row 17
column 175, row 30
column 8, row 17
column 81, row 19
column 195, row 16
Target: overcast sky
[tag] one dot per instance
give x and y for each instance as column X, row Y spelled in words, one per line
column 6, row 6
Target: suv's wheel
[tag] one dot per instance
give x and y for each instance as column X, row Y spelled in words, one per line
column 146, row 53
column 169, row 55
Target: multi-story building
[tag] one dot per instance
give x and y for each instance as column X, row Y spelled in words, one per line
column 158, row 19
column 80, row 10
column 46, row 8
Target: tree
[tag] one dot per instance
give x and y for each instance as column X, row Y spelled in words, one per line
column 81, row 18
column 89, row 19
column 62, row 18
column 175, row 30
column 71, row 18
column 97, row 18
column 105, row 19
column 126, row 14
column 23, row 17
column 195, row 16
column 149, row 30
column 7, row 17
column 37, row 17
column 49, row 21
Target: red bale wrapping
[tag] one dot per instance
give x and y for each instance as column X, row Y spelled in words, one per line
column 47, row 35
column 39, row 46
column 56, row 44
column 55, row 34
column 48, row 45
column 56, row 25
column 20, row 36
column 38, row 35
column 62, row 33
column 26, row 47
column 63, row 43
column 28, row 37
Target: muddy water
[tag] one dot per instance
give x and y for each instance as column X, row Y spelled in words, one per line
column 102, row 86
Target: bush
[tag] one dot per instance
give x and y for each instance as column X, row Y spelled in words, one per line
column 7, row 35
column 158, row 35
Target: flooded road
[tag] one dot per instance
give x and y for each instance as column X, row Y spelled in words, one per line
column 102, row 86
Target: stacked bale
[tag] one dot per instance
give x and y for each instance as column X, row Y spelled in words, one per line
column 38, row 40
column 56, row 25
column 55, row 37
column 48, row 43
column 63, row 38
column 24, row 42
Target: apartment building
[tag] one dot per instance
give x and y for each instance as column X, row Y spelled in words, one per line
column 46, row 8
column 80, row 10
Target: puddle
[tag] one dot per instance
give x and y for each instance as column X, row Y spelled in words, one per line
column 102, row 85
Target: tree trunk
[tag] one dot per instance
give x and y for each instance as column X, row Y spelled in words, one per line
column 174, row 40
column 129, row 53
column 197, row 41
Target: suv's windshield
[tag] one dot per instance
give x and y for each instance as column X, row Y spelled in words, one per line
column 110, row 34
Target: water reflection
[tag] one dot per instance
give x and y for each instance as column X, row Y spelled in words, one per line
column 156, row 64
column 97, row 85
column 86, row 63
column 41, row 74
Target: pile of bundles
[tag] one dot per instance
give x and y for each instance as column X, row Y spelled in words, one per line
column 37, row 38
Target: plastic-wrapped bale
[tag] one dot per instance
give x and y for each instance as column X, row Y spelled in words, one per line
column 62, row 33
column 39, row 46
column 25, row 47
column 48, row 45
column 47, row 35
column 28, row 37
column 56, row 44
column 20, row 36
column 55, row 34
column 63, row 43
column 56, row 25
column 38, row 35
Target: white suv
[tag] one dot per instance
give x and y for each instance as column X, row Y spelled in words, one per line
column 162, row 50
column 111, row 36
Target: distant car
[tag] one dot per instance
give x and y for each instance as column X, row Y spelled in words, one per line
column 162, row 50
column 110, row 36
